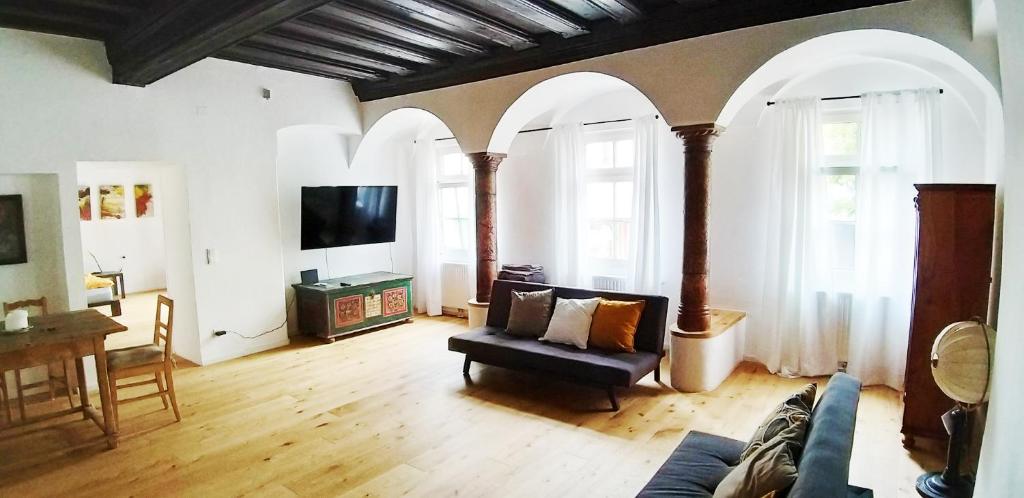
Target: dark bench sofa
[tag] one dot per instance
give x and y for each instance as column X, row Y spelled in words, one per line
column 490, row 345
column 702, row 460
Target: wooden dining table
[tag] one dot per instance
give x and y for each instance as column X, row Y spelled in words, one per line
column 60, row 336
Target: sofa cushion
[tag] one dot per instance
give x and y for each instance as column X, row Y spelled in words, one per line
column 795, row 409
column 695, row 468
column 530, row 313
column 493, row 346
column 570, row 324
column 770, row 468
column 614, row 325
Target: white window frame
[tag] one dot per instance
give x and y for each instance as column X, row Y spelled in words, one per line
column 464, row 179
column 842, row 165
column 608, row 266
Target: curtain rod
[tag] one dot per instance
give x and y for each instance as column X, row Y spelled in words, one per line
column 546, row 128
column 845, row 97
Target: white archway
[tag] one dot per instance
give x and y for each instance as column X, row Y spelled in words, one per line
column 560, row 92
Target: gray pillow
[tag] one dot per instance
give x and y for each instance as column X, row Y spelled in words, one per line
column 530, row 313
column 796, row 408
column 770, row 469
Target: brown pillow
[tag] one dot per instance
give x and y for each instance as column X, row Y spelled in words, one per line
column 769, row 469
column 796, row 408
column 530, row 313
column 614, row 325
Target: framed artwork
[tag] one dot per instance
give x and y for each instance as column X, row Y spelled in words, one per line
column 111, row 202
column 12, row 231
column 143, row 201
column 84, row 203
column 348, row 310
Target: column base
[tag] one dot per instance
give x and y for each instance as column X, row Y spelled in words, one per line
column 700, row 361
column 477, row 313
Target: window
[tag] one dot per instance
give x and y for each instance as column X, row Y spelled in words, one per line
column 608, row 198
column 454, row 178
column 841, row 163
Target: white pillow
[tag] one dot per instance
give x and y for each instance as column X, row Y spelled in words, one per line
column 570, row 324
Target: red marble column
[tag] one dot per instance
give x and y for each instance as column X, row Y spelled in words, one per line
column 694, row 314
column 485, row 164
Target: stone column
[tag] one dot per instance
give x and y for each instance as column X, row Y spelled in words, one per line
column 694, row 314
column 485, row 165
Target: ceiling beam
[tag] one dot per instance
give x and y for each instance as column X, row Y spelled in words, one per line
column 455, row 18
column 262, row 55
column 21, row 15
column 670, row 23
column 332, row 52
column 312, row 28
column 173, row 34
column 402, row 29
column 549, row 15
column 623, row 11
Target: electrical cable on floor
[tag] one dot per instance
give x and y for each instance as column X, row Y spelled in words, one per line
column 265, row 332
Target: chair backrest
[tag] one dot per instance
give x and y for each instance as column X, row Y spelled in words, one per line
column 163, row 329
column 650, row 332
column 27, row 303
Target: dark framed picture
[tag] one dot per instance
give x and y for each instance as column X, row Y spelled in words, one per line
column 12, row 231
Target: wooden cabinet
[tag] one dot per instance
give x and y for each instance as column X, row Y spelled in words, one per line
column 953, row 278
column 346, row 305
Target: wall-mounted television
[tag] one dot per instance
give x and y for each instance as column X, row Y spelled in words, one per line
column 348, row 216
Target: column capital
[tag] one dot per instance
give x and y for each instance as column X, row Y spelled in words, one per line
column 486, row 160
column 698, row 132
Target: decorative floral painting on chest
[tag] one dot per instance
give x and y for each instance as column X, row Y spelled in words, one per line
column 348, row 310
column 396, row 301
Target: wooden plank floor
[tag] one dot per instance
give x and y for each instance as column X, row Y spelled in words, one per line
column 388, row 413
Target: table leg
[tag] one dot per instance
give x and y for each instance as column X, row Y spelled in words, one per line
column 104, row 379
column 83, row 392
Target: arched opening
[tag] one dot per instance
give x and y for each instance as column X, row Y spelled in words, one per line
column 967, row 143
column 592, row 183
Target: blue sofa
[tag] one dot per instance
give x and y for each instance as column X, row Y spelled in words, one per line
column 702, row 460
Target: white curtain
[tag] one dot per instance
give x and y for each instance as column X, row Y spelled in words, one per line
column 900, row 146
column 800, row 328
column 569, row 236
column 428, row 229
column 644, row 270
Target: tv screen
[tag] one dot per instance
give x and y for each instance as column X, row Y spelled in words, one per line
column 348, row 216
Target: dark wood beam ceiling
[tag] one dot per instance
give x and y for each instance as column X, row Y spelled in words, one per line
column 390, row 47
column 173, row 34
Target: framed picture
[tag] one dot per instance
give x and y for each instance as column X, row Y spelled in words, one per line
column 143, row 201
column 12, row 231
column 111, row 202
column 84, row 203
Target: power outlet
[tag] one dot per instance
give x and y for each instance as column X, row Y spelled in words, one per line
column 218, row 333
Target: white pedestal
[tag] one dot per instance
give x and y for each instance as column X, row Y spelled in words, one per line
column 702, row 360
column 477, row 313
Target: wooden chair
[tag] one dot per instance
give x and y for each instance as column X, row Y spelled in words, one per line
column 53, row 381
column 151, row 359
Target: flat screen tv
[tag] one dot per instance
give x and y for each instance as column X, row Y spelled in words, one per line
column 348, row 216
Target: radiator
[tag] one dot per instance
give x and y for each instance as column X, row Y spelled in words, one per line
column 844, row 307
column 454, row 285
column 605, row 282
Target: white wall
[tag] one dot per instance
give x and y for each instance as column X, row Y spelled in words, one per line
column 209, row 119
column 317, row 156
column 42, row 275
column 1000, row 472
column 139, row 241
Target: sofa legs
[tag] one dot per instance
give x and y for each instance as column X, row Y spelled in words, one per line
column 465, row 366
column 613, row 399
column 657, row 374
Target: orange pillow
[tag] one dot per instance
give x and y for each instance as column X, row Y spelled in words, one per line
column 614, row 325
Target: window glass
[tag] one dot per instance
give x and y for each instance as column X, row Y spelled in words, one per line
column 841, row 138
column 455, row 204
column 841, row 192
column 608, row 197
